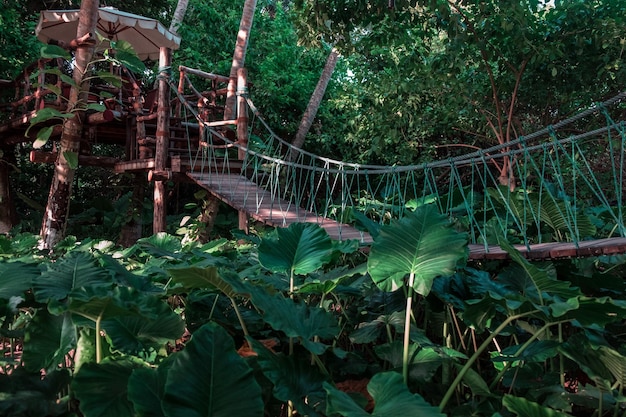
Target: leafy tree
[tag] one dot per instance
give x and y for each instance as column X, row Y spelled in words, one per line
column 19, row 47
column 471, row 74
column 57, row 209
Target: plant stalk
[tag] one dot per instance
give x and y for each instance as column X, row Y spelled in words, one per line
column 291, row 296
column 407, row 330
column 474, row 357
column 522, row 348
column 98, row 340
column 238, row 313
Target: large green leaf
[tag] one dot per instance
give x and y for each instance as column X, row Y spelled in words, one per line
column 301, row 248
column 75, row 271
column 423, row 243
column 559, row 215
column 16, row 277
column 198, row 278
column 542, row 283
column 146, row 387
column 102, row 388
column 391, row 398
column 424, row 362
column 368, row 332
column 297, row 319
column 47, row 340
column 25, row 393
column 209, row 378
column 54, row 51
column 525, row 408
column 161, row 244
column 131, row 333
column 94, row 303
column 294, row 379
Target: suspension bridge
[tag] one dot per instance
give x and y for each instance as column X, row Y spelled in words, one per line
column 561, row 195
column 552, row 193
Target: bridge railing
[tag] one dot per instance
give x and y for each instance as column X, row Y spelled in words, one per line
column 560, row 187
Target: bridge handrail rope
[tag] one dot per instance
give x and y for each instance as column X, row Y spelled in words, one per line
column 543, row 205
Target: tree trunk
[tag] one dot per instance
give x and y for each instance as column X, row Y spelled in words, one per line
column 239, row 57
column 208, row 215
column 8, row 217
column 57, row 210
column 314, row 102
column 162, row 142
column 132, row 229
column 179, row 15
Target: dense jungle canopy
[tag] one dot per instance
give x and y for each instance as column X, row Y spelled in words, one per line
column 415, row 80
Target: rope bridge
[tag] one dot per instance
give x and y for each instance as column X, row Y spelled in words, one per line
column 558, row 187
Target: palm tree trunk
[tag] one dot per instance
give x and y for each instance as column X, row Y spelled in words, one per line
column 314, row 102
column 179, row 15
column 239, row 57
column 57, row 210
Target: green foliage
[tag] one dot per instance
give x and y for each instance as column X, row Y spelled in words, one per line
column 422, row 243
column 523, row 407
column 110, row 377
column 19, row 47
column 210, row 378
column 299, row 249
column 390, row 395
column 293, row 378
column 549, row 331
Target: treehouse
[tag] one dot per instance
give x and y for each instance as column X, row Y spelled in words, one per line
column 153, row 129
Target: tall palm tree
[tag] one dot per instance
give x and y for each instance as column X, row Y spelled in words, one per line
column 179, row 15
column 57, row 209
column 314, row 102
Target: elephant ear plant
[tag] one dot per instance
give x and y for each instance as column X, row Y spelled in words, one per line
column 422, row 245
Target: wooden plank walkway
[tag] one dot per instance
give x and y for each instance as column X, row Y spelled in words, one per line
column 244, row 195
column 555, row 250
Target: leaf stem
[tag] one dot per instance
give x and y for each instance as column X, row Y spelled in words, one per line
column 239, row 317
column 474, row 357
column 523, row 348
column 407, row 330
column 98, row 339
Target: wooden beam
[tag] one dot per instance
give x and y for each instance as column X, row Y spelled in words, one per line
column 136, row 165
column 163, row 175
column 104, row 117
column 86, row 40
column 207, row 75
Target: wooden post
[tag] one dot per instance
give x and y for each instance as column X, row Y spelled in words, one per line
column 162, row 140
column 242, row 112
column 243, row 222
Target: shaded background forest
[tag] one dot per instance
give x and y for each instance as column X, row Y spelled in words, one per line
column 415, row 81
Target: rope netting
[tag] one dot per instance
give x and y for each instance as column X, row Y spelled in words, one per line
column 557, row 186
